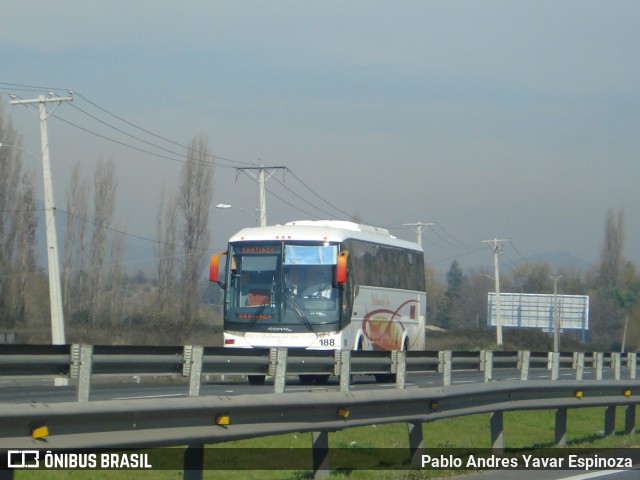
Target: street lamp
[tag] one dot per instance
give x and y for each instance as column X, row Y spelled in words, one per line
column 224, row 206
column 53, row 261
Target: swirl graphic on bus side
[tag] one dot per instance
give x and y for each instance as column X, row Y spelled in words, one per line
column 382, row 329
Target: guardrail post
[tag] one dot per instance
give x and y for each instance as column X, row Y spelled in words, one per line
column 561, row 427
column 555, row 365
column 401, row 369
column 344, row 360
column 497, row 432
column 280, row 369
column 320, row 441
column 193, row 462
column 598, row 358
column 488, row 366
column 416, row 443
column 446, row 367
column 193, row 454
column 579, row 365
column 609, row 420
column 5, row 472
column 616, row 359
column 195, row 371
column 633, row 366
column 630, row 420
column 85, row 366
column 524, row 364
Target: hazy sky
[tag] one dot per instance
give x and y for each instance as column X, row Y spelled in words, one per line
column 506, row 119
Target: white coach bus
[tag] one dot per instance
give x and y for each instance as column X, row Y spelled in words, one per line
column 322, row 285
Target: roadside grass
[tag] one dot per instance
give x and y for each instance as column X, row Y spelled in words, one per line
column 525, row 429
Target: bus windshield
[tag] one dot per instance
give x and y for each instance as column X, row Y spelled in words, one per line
column 279, row 284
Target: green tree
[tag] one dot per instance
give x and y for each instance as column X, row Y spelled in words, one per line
column 531, row 277
column 451, row 314
column 435, row 295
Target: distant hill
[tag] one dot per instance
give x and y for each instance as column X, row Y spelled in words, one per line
column 560, row 258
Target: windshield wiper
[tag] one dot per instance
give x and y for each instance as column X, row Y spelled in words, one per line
column 299, row 311
column 263, row 304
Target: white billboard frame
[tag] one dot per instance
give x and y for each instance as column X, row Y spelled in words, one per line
column 530, row 310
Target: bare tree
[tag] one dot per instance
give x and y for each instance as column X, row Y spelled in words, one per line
column 166, row 234
column 10, row 168
column 115, row 278
column 104, row 205
column 194, row 200
column 26, row 223
column 611, row 256
column 74, row 244
column 10, row 171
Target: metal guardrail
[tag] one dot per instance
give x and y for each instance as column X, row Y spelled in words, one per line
column 197, row 420
column 83, row 362
column 213, row 419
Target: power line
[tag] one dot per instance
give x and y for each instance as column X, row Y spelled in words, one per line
column 123, row 232
column 517, row 251
column 347, row 215
column 178, row 157
column 463, row 245
column 32, row 88
column 453, row 257
column 123, row 132
column 160, row 137
column 300, row 197
column 295, row 207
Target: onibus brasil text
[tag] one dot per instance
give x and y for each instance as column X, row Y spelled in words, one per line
column 53, row 460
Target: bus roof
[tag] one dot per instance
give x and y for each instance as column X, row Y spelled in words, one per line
column 323, row 230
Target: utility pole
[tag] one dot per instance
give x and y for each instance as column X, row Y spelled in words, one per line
column 419, row 228
column 55, row 291
column 264, row 174
column 554, row 313
column 497, row 249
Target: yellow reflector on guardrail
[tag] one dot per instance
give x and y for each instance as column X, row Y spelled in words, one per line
column 578, row 394
column 627, row 393
column 343, row 413
column 40, row 432
column 222, row 420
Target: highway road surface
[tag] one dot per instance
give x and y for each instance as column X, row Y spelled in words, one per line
column 42, row 390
